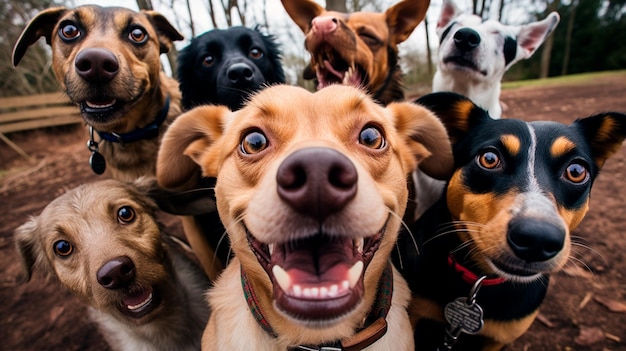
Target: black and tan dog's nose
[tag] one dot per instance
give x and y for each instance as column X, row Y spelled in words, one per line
column 535, row 241
column 317, row 181
column 466, row 39
column 116, row 273
column 97, row 65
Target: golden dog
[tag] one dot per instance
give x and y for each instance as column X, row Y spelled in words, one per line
column 102, row 241
column 107, row 61
column 311, row 189
column 359, row 48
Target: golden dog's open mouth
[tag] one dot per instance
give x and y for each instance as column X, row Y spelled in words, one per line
column 331, row 68
column 320, row 278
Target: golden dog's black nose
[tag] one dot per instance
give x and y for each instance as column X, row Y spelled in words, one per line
column 317, row 181
column 96, row 65
column 116, row 273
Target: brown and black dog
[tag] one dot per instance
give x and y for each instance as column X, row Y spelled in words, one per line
column 359, row 48
column 312, row 195
column 107, row 60
column 505, row 220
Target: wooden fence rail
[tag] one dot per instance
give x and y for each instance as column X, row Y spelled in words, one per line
column 33, row 112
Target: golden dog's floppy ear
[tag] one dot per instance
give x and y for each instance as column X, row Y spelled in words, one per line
column 41, row 25
column 302, row 12
column 183, row 144
column 605, row 133
column 25, row 237
column 403, row 17
column 426, row 137
column 167, row 33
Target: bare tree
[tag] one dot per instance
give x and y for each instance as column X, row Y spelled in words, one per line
column 546, row 52
column 337, row 5
column 568, row 37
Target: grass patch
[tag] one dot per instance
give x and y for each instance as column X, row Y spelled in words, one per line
column 582, row 78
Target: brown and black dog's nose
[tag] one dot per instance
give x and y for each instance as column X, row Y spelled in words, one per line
column 324, row 24
column 535, row 241
column 97, row 65
column 116, row 273
column 466, row 39
column 239, row 72
column 317, row 181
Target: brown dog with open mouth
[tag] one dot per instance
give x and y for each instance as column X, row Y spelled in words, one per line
column 102, row 241
column 359, row 48
column 312, row 195
column 107, row 61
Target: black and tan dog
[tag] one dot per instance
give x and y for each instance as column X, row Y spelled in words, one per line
column 517, row 192
column 312, row 195
column 359, row 48
column 102, row 241
column 107, row 61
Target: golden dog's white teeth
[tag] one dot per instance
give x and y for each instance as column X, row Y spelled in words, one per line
column 141, row 304
column 333, row 290
column 270, row 248
column 347, row 76
column 296, row 290
column 282, row 278
column 354, row 274
column 323, row 292
column 345, row 285
column 306, row 292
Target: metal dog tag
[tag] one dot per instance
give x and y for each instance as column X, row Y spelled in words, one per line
column 97, row 162
column 464, row 317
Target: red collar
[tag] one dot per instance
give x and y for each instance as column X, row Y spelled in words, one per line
column 469, row 276
column 376, row 324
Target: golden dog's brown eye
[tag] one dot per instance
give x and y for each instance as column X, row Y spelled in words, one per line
column 69, row 32
column 576, row 173
column 253, row 143
column 126, row 214
column 489, row 160
column 208, row 61
column 138, row 35
column 63, row 248
column 256, row 53
column 372, row 138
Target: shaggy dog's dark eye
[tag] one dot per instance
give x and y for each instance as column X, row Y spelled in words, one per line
column 126, row 214
column 63, row 248
column 256, row 53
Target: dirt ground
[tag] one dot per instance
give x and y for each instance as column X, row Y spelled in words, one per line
column 586, row 304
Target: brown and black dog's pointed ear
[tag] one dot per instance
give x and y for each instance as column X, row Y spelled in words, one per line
column 25, row 243
column 167, row 33
column 41, row 25
column 426, row 138
column 185, row 143
column 302, row 12
column 458, row 113
column 403, row 17
column 605, row 133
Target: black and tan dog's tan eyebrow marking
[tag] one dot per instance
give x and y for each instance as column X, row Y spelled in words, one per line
column 511, row 143
column 561, row 146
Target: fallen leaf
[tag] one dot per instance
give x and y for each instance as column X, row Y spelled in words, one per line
column 589, row 336
column 543, row 319
column 612, row 305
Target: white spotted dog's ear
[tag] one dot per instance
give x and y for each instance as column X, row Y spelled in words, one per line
column 532, row 35
column 449, row 11
column 185, row 143
column 426, row 138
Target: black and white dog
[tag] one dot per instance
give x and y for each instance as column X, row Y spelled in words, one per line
column 474, row 54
